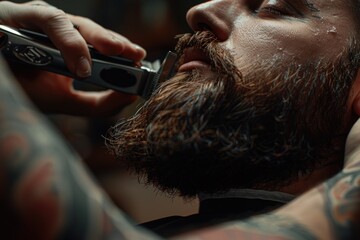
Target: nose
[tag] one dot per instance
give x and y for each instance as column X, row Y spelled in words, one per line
column 216, row 16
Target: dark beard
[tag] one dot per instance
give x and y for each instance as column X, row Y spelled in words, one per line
column 199, row 134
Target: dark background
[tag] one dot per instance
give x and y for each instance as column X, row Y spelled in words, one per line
column 150, row 23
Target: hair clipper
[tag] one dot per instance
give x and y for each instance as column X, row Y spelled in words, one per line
column 111, row 72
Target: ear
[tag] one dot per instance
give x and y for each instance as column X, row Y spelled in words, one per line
column 354, row 97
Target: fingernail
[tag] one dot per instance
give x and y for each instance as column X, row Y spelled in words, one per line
column 83, row 68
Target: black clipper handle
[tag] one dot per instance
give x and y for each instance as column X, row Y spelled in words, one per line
column 36, row 50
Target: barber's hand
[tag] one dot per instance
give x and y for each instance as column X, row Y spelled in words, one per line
column 54, row 93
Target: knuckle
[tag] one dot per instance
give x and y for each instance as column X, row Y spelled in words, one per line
column 74, row 44
column 59, row 21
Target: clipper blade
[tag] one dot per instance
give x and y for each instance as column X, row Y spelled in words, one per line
column 165, row 72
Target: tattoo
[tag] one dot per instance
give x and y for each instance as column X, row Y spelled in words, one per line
column 50, row 193
column 342, row 196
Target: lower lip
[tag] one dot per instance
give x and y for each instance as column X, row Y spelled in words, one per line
column 193, row 65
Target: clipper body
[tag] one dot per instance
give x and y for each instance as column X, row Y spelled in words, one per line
column 111, row 72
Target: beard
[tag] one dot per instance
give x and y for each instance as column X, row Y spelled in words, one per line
column 224, row 130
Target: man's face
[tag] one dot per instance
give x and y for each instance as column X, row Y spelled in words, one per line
column 272, row 30
column 260, row 98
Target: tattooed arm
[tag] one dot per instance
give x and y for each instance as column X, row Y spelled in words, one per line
column 46, row 192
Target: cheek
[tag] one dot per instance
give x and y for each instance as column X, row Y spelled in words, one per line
column 287, row 41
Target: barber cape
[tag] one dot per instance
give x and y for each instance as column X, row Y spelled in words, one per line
column 235, row 204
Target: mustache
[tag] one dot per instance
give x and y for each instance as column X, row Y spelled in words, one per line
column 221, row 59
column 223, row 81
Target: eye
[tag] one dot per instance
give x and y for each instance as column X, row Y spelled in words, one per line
column 277, row 9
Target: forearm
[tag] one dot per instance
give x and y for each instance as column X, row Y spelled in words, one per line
column 45, row 186
column 342, row 203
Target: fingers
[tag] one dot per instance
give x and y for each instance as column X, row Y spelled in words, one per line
column 64, row 36
column 53, row 93
column 69, row 41
column 72, row 42
column 38, row 15
column 106, row 41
